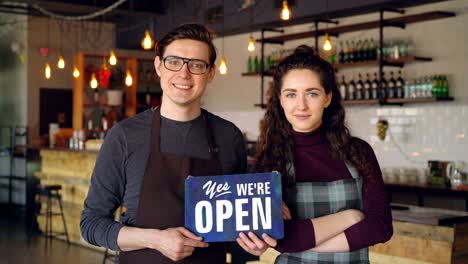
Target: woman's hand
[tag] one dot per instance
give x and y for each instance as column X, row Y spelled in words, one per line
column 255, row 245
column 286, row 212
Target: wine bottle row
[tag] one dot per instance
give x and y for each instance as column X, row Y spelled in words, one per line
column 367, row 50
column 392, row 87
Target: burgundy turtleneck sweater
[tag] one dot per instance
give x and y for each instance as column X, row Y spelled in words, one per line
column 312, row 153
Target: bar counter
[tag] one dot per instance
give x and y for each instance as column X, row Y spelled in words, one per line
column 72, row 169
column 420, row 235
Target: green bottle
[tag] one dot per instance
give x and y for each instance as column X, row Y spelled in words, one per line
column 256, row 64
column 249, row 65
column 444, row 85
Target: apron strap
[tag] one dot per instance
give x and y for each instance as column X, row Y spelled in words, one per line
column 212, row 147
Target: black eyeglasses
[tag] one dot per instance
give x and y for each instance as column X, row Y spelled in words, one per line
column 195, row 66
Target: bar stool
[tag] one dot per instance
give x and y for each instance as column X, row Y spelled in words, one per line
column 50, row 192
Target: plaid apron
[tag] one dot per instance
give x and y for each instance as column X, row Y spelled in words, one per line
column 315, row 199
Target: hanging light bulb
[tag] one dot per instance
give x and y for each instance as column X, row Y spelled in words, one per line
column 285, row 12
column 147, row 42
column 112, row 58
column 76, row 72
column 223, row 66
column 93, row 83
column 61, row 63
column 251, row 47
column 327, row 46
column 128, row 79
column 47, row 71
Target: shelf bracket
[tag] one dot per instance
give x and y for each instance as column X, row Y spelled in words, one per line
column 262, row 39
column 262, row 60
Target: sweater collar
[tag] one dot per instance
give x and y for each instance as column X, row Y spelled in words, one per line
column 309, row 138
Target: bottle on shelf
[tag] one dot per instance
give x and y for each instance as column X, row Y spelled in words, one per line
column 343, row 88
column 256, row 64
column 353, row 52
column 365, row 50
column 435, row 86
column 373, row 50
column 375, row 87
column 391, row 86
column 341, row 54
column 407, row 93
column 359, row 88
column 367, row 88
column 148, row 96
column 351, row 89
column 347, row 56
column 399, row 86
column 250, row 65
column 358, row 51
column 105, row 127
column 444, row 86
column 383, row 86
column 96, row 96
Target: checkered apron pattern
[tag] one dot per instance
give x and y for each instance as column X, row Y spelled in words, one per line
column 315, row 199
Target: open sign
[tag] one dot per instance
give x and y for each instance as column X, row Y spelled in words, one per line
column 218, row 208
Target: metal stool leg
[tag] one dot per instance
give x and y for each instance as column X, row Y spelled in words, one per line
column 33, row 222
column 59, row 198
column 48, row 220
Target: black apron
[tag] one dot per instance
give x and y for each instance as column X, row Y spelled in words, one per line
column 161, row 202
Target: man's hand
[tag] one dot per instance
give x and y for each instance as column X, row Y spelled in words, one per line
column 175, row 243
column 254, row 245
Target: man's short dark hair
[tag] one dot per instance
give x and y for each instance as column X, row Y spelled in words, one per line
column 187, row 31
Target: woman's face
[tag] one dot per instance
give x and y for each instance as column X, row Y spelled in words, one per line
column 303, row 99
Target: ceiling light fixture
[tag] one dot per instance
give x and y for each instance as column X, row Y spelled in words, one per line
column 61, row 63
column 251, row 46
column 223, row 66
column 128, row 79
column 327, row 45
column 76, row 72
column 47, row 71
column 285, row 12
column 112, row 58
column 93, row 83
column 147, row 42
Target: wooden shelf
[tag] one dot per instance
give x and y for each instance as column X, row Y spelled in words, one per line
column 360, row 102
column 389, row 62
column 418, row 100
column 101, row 105
column 263, row 106
column 361, row 26
column 269, row 73
column 396, row 101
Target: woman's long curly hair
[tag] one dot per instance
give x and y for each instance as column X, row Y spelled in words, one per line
column 275, row 144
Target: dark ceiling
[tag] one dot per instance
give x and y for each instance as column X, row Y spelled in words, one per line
column 133, row 17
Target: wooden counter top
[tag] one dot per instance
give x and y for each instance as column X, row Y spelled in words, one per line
column 427, row 215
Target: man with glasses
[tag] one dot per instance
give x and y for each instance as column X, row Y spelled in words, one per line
column 144, row 161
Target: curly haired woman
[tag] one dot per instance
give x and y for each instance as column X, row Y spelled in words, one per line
column 335, row 200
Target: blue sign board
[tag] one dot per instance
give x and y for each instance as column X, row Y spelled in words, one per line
column 218, row 208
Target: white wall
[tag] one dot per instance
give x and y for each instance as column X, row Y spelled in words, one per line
column 421, row 131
